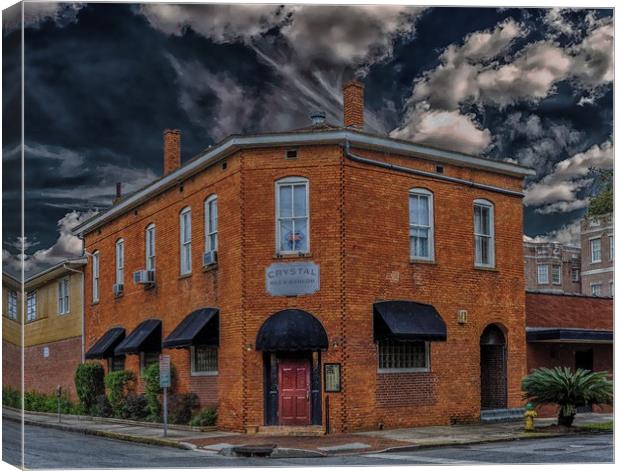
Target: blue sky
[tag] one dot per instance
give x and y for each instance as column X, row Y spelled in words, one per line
column 103, row 80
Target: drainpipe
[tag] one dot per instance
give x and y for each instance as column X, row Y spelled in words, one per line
column 412, row 171
column 81, row 272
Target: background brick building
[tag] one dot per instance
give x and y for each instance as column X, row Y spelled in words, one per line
column 552, row 267
column 597, row 261
column 455, row 267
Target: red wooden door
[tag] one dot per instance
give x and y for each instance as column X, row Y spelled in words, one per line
column 294, row 382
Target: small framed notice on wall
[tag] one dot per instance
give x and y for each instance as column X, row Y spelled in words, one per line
column 332, row 377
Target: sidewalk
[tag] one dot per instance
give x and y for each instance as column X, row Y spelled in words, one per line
column 122, row 430
column 214, row 441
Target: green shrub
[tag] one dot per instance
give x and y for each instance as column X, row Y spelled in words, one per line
column 136, row 407
column 119, row 384
column 152, row 391
column 11, row 397
column 181, row 407
column 102, row 407
column 207, row 417
column 89, row 384
column 39, row 402
column 567, row 389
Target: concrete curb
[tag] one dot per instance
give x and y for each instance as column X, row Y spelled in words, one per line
column 107, row 434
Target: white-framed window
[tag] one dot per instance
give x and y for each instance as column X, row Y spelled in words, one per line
column 484, row 234
column 395, row 356
column 31, row 306
column 611, row 289
column 611, row 248
column 556, row 274
column 204, row 360
column 595, row 250
column 543, row 274
column 421, row 224
column 120, row 261
column 147, row 359
column 63, row 296
column 595, row 289
column 575, row 274
column 95, row 277
column 11, row 307
column 149, row 246
column 292, row 216
column 211, row 223
column 186, row 240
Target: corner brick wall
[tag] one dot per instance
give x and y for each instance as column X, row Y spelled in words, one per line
column 359, row 238
column 44, row 374
column 11, row 365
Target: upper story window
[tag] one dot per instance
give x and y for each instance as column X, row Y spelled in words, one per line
column 575, row 274
column 543, row 274
column 11, row 307
column 150, row 247
column 120, row 261
column 611, row 248
column 292, row 225
column 63, row 296
column 556, row 274
column 211, row 223
column 421, row 224
column 95, row 277
column 595, row 250
column 403, row 356
column 611, row 289
column 484, row 234
column 596, row 289
column 31, row 306
column 186, row 240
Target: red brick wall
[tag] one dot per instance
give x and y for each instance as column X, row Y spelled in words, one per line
column 583, row 312
column 11, row 365
column 44, row 374
column 359, row 235
column 396, row 390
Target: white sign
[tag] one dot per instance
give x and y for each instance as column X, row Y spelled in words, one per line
column 164, row 371
column 291, row 279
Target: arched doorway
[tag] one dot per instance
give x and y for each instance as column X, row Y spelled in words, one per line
column 493, row 387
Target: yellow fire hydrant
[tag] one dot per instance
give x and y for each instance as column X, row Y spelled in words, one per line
column 529, row 416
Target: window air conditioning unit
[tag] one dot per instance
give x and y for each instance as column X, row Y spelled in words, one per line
column 209, row 258
column 118, row 289
column 144, row 277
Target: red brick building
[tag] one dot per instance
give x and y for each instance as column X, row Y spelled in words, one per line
column 574, row 331
column 321, row 277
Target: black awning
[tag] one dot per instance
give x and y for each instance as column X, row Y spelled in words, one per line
column 201, row 327
column 407, row 321
column 291, row 330
column 144, row 338
column 104, row 347
column 544, row 334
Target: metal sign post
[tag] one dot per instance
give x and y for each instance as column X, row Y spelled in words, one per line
column 164, row 382
column 58, row 394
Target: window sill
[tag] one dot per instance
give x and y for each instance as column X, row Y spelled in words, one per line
column 204, row 373
column 185, row 275
column 481, row 268
column 402, row 370
column 207, row 268
column 280, row 256
column 420, row 261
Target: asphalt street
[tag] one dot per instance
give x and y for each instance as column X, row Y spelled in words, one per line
column 50, row 448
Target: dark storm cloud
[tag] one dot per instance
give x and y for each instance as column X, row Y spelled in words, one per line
column 104, row 80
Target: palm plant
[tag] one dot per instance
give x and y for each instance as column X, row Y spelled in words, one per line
column 568, row 389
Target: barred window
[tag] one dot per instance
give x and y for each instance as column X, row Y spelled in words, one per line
column 394, row 355
column 204, row 359
column 116, row 363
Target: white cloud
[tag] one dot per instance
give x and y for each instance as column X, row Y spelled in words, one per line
column 446, row 129
column 66, row 246
column 557, row 192
column 36, row 13
column 569, row 234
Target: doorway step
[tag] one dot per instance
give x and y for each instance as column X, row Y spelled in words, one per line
column 291, row 430
column 501, row 415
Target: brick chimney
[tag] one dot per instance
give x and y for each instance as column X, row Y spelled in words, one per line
column 172, row 150
column 353, row 104
column 119, row 194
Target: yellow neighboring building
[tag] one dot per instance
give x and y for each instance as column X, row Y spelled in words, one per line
column 11, row 331
column 53, row 318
